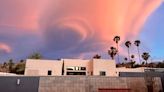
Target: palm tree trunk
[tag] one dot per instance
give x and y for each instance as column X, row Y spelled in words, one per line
column 139, row 55
column 112, row 57
column 118, row 53
column 129, row 54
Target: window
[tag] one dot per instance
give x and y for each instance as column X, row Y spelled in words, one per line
column 70, row 68
column 102, row 73
column 83, row 68
column 76, row 73
column 49, row 72
column 76, row 68
column 91, row 73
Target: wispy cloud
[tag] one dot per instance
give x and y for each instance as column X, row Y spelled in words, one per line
column 71, row 28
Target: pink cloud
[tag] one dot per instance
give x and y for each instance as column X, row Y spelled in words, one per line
column 94, row 22
column 101, row 19
column 4, row 47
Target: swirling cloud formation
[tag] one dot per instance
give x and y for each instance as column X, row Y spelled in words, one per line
column 74, row 28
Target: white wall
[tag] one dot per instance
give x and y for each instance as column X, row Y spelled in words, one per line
column 109, row 66
column 41, row 67
column 123, row 69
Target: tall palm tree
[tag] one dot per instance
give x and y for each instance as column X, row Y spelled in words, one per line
column 128, row 44
column 112, row 52
column 132, row 56
column 117, row 39
column 145, row 56
column 137, row 43
column 125, row 59
column 132, row 61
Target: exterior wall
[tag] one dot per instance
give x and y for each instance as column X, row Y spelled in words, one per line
column 123, row 69
column 108, row 66
column 93, row 67
column 27, row 84
column 155, row 69
column 145, row 75
column 76, row 84
column 79, row 63
column 94, row 83
column 41, row 67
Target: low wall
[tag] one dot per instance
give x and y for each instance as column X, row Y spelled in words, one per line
column 25, row 84
column 78, row 84
column 141, row 74
column 94, row 83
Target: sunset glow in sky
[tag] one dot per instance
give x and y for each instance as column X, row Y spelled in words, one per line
column 79, row 28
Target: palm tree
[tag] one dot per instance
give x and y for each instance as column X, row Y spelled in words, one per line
column 128, row 44
column 137, row 43
column 132, row 61
column 96, row 56
column 132, row 57
column 145, row 56
column 125, row 59
column 112, row 52
column 117, row 39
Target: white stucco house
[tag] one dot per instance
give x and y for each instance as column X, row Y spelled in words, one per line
column 63, row 67
column 70, row 67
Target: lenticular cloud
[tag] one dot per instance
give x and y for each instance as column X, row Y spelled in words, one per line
column 93, row 22
column 70, row 27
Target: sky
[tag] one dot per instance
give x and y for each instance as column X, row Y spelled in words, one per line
column 79, row 28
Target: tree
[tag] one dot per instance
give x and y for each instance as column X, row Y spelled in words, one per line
column 20, row 67
column 35, row 56
column 125, row 59
column 128, row 44
column 132, row 56
column 10, row 65
column 117, row 39
column 132, row 61
column 112, row 52
column 137, row 43
column 145, row 56
column 160, row 65
column 96, row 56
column 4, row 65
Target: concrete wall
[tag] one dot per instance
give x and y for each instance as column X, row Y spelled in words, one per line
column 144, row 75
column 41, row 67
column 93, row 83
column 27, row 84
column 76, row 84
column 124, row 69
